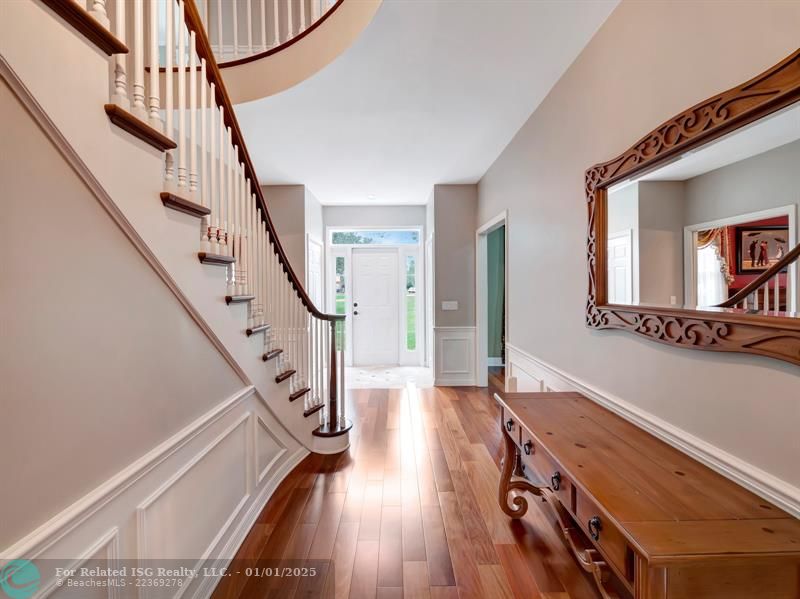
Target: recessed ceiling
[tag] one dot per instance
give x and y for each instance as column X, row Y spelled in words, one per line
column 431, row 92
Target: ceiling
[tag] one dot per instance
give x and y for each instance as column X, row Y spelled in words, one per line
column 759, row 137
column 431, row 92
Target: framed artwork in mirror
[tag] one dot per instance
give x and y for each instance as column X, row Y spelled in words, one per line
column 760, row 315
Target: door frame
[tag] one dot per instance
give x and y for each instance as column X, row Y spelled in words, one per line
column 405, row 357
column 312, row 240
column 690, row 248
column 482, row 295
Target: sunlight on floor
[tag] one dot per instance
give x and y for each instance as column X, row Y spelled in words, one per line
column 387, row 377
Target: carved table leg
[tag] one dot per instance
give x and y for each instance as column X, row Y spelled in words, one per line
column 511, row 463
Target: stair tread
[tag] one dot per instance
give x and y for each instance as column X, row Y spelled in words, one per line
column 313, row 410
column 215, row 259
column 271, row 354
column 257, row 329
column 88, row 26
column 127, row 121
column 284, row 375
column 238, row 299
column 299, row 394
column 176, row 202
column 325, row 430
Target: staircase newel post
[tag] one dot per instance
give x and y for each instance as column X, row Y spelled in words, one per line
column 333, row 406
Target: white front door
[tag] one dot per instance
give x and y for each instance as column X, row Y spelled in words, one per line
column 620, row 275
column 375, row 307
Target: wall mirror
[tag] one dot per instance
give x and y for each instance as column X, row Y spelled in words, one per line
column 693, row 235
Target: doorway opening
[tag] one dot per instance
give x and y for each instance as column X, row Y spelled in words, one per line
column 377, row 283
column 492, row 301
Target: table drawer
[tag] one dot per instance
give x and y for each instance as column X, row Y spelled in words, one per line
column 511, row 426
column 545, row 469
column 605, row 536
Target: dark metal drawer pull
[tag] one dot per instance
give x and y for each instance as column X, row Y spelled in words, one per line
column 555, row 480
column 509, row 424
column 528, row 447
column 595, row 526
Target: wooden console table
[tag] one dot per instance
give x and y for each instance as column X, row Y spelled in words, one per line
column 646, row 520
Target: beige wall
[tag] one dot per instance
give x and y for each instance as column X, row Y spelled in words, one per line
column 649, row 61
column 101, row 362
column 455, row 208
column 287, row 208
column 661, row 220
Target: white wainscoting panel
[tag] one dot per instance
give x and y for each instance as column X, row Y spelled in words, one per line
column 527, row 371
column 194, row 497
column 455, row 356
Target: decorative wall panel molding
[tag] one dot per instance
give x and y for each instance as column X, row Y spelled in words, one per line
column 762, row 483
column 455, row 356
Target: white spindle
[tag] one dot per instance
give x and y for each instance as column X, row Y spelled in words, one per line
column 193, row 143
column 182, row 179
column 276, row 24
column 154, row 104
column 205, row 113
column 169, row 51
column 249, row 26
column 289, row 20
column 220, row 43
column 235, row 10
column 221, row 191
column 120, row 94
column 213, row 191
column 766, row 297
column 229, row 174
column 777, row 292
column 315, row 8
column 98, row 11
column 139, row 109
column 263, row 24
column 303, row 25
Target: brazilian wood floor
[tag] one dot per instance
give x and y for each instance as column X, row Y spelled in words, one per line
column 409, row 511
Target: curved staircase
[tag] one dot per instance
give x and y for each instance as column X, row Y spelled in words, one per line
column 166, row 90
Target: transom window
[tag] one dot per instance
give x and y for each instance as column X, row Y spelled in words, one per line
column 377, row 237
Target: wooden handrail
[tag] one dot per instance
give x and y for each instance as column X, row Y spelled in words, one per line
column 244, row 60
column 765, row 276
column 195, row 23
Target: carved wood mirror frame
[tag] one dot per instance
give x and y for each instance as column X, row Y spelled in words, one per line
column 723, row 330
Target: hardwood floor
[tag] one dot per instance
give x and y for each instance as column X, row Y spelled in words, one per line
column 410, row 510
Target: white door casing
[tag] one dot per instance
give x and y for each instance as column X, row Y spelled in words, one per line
column 375, row 306
column 620, row 268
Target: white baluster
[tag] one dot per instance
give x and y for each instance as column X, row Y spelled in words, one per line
column 235, row 10
column 315, row 8
column 276, row 23
column 289, row 20
column 192, row 145
column 213, row 190
column 139, row 109
column 205, row 114
column 98, row 11
column 169, row 51
column 303, row 24
column 182, row 175
column 249, row 27
column 221, row 192
column 154, row 105
column 777, row 292
column 120, row 94
column 229, row 174
column 220, row 43
column 766, row 297
column 263, row 25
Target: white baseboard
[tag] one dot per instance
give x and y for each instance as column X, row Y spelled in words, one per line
column 495, row 362
column 134, row 515
column 454, row 356
column 528, row 373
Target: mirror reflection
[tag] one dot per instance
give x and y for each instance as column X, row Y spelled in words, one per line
column 714, row 229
